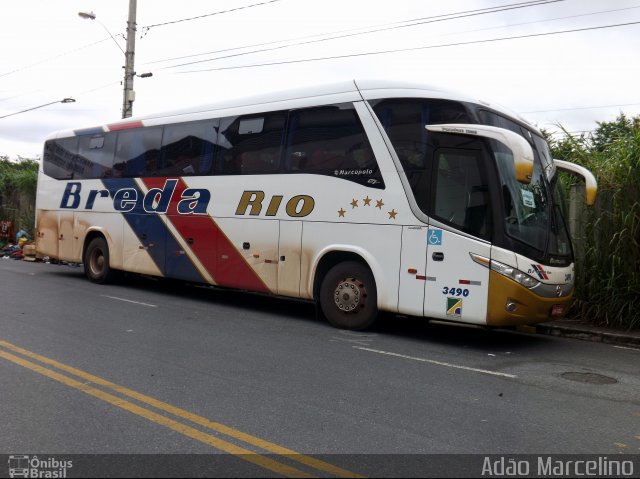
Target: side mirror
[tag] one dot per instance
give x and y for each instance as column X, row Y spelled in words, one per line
column 591, row 185
column 521, row 149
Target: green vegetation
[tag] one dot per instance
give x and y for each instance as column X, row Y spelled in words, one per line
column 18, row 181
column 608, row 242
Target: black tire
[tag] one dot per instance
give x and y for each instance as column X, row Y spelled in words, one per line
column 348, row 296
column 96, row 261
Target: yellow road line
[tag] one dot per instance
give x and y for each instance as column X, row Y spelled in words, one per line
column 225, row 446
column 176, row 411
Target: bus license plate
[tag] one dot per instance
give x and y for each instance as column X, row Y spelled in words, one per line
column 557, row 310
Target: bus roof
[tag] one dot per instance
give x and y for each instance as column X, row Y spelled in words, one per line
column 325, row 93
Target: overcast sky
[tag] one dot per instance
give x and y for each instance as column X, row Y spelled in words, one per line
column 574, row 79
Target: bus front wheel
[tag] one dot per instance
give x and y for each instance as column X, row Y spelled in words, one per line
column 96, row 261
column 348, row 296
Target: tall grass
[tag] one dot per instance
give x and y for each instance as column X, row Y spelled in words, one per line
column 608, row 263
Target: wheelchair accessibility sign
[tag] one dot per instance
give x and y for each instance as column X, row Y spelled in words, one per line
column 434, row 237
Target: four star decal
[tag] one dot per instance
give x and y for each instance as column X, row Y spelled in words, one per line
column 367, row 202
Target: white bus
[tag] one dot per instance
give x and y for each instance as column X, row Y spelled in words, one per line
column 361, row 196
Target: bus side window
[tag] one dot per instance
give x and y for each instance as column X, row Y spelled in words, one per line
column 251, row 144
column 331, row 141
column 138, row 151
column 404, row 121
column 96, row 154
column 187, row 148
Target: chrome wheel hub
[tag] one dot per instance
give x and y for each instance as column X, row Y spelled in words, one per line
column 348, row 295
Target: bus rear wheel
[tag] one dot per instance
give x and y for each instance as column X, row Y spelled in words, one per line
column 96, row 261
column 348, row 296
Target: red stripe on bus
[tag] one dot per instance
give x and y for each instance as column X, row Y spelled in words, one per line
column 125, row 126
column 234, row 271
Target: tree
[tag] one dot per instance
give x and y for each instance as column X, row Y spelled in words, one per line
column 18, row 183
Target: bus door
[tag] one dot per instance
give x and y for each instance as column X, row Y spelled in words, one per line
column 457, row 286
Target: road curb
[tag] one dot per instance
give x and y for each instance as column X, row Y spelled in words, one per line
column 585, row 332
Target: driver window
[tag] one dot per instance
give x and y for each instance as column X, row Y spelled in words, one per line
column 461, row 195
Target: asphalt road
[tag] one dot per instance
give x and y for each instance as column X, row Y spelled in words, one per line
column 156, row 367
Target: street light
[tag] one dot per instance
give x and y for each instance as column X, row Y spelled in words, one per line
column 64, row 100
column 128, row 95
column 92, row 16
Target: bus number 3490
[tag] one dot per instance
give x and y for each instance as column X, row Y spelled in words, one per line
column 455, row 291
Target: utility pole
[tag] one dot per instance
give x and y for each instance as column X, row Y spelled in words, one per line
column 128, row 96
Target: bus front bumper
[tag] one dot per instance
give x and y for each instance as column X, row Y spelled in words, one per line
column 511, row 304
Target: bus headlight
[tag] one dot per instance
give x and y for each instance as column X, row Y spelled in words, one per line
column 515, row 274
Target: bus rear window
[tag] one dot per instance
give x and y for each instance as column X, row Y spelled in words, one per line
column 61, row 159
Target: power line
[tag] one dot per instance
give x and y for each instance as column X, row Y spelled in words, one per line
column 385, row 27
column 80, row 94
column 65, row 100
column 52, row 58
column 146, row 29
column 425, row 47
column 362, row 33
column 546, row 20
column 149, row 27
column 580, row 108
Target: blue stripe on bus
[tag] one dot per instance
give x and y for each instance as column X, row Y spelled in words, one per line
column 89, row 131
column 151, row 230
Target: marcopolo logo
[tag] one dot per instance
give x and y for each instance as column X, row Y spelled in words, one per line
column 33, row 466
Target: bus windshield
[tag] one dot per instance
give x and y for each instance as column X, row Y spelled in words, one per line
column 533, row 212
